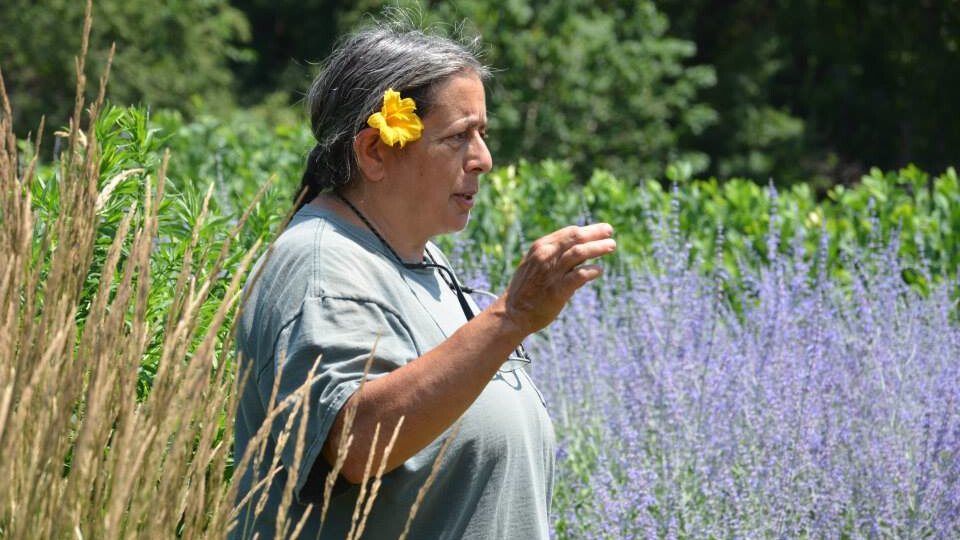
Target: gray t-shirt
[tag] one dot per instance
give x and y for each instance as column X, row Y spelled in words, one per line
column 329, row 290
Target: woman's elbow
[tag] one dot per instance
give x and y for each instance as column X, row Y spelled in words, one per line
column 355, row 471
column 352, row 471
column 354, row 464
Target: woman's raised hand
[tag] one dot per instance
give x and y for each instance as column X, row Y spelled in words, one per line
column 552, row 271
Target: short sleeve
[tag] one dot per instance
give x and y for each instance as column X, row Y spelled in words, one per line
column 340, row 334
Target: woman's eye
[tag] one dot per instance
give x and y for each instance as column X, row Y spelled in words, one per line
column 459, row 138
column 464, row 136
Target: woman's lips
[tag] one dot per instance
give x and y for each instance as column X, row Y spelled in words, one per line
column 465, row 200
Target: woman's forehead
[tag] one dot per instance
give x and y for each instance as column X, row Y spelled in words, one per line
column 460, row 99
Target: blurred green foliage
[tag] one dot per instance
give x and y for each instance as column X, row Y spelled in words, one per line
column 289, row 37
column 794, row 91
column 169, row 54
column 821, row 91
column 790, row 91
column 527, row 200
column 518, row 203
column 599, row 84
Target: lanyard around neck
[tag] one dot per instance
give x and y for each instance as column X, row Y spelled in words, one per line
column 445, row 273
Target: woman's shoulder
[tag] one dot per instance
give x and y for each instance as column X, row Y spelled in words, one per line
column 314, row 257
column 325, row 254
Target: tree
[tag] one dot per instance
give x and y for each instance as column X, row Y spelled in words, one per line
column 168, row 53
column 600, row 84
column 289, row 37
column 824, row 90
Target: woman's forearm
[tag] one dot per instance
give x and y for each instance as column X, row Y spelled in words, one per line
column 431, row 393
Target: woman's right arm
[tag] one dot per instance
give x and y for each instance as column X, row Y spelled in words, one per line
column 434, row 390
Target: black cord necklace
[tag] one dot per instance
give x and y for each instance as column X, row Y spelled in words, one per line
column 520, row 355
column 445, row 273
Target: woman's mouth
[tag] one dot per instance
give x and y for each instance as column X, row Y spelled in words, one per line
column 465, row 200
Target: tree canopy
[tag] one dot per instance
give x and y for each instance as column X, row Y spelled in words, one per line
column 169, row 54
column 790, row 90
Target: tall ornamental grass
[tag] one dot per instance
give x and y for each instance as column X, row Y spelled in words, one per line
column 86, row 456
column 118, row 383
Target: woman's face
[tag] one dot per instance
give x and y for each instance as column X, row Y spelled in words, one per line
column 436, row 178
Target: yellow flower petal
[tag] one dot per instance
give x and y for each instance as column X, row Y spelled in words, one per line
column 397, row 121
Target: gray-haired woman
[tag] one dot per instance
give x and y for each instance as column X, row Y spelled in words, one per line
column 400, row 118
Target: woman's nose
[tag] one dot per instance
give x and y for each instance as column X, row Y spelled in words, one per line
column 479, row 159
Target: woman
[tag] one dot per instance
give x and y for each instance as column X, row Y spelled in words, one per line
column 400, row 119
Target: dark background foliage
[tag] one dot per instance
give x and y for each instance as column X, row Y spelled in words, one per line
column 793, row 90
column 171, row 54
column 826, row 88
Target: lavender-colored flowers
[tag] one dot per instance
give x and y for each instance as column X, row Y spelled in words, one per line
column 820, row 410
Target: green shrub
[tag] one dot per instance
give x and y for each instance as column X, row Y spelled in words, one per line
column 535, row 198
column 132, row 143
column 520, row 202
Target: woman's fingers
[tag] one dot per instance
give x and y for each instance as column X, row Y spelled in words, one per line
column 571, row 246
column 580, row 253
column 554, row 269
column 581, row 240
column 568, row 237
column 580, row 276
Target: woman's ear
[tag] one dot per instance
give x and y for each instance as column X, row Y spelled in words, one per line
column 367, row 148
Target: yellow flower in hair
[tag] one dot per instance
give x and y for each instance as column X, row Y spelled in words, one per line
column 397, row 121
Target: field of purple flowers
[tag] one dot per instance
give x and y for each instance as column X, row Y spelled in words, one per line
column 813, row 410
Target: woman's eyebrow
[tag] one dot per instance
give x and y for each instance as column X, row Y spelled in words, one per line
column 470, row 122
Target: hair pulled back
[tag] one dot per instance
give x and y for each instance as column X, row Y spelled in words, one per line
column 351, row 85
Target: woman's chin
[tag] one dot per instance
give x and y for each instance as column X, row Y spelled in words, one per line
column 459, row 213
column 457, row 222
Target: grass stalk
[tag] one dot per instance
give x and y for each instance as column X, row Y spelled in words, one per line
column 363, row 483
column 375, row 488
column 87, row 456
column 429, row 481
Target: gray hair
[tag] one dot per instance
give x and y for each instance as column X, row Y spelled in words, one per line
column 351, row 85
